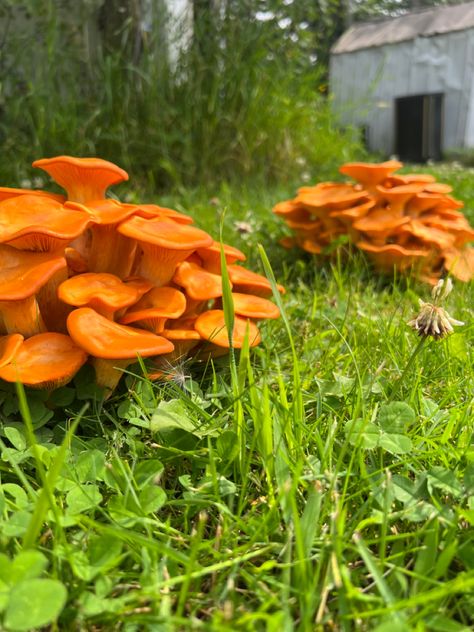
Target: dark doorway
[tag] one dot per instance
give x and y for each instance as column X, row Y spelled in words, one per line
column 418, row 127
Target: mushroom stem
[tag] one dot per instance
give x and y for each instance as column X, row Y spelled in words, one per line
column 109, row 372
column 110, row 251
column 22, row 317
column 54, row 311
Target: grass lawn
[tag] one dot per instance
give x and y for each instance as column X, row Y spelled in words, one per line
column 325, row 482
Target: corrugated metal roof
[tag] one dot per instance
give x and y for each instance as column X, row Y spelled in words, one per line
column 425, row 23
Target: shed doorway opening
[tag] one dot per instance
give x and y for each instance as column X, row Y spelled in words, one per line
column 418, row 127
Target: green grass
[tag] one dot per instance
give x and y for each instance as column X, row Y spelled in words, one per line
column 287, row 491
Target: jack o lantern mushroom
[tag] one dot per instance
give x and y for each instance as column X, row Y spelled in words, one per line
column 48, row 360
column 153, row 211
column 104, row 292
column 8, row 192
column 164, row 245
column 211, row 327
column 369, row 175
column 18, row 305
column 41, row 224
column 254, row 307
column 247, row 282
column 107, row 249
column 112, row 346
column 200, row 285
column 155, row 308
column 84, row 179
column 211, row 256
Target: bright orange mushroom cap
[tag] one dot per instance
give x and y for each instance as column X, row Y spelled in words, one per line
column 47, row 360
column 32, row 222
column 102, row 338
column 84, row 179
column 104, row 292
column 254, row 306
column 211, row 327
column 22, row 274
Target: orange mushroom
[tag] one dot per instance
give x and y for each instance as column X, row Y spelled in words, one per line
column 151, row 211
column 247, row 282
column 112, row 346
column 104, row 292
column 7, row 192
column 339, row 196
column 398, row 196
column 47, row 360
column 32, row 222
column 84, row 179
column 254, row 306
column 460, row 263
column 22, row 275
column 390, row 256
column 164, row 245
column 155, row 308
column 211, row 327
column 211, row 256
column 198, row 283
column 370, row 174
column 108, row 250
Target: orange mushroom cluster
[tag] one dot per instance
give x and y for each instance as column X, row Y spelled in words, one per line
column 86, row 277
column 401, row 221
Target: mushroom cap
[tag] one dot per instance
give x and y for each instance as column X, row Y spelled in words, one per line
column 401, row 193
column 9, row 345
column 8, row 192
column 438, row 187
column 428, row 234
column 288, row 208
column 106, row 211
column 426, row 201
column 390, row 255
column 159, row 302
column 213, row 252
column 246, row 281
column 181, row 334
column 199, row 284
column 380, row 220
column 460, row 263
column 87, row 175
column 211, row 326
column 165, row 234
column 45, row 361
column 408, row 178
column 99, row 289
column 353, row 212
column 102, row 338
column 22, row 274
column 150, row 211
column 254, row 306
column 368, row 173
column 44, row 220
column 337, row 196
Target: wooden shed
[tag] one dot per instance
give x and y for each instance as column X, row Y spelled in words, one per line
column 408, row 81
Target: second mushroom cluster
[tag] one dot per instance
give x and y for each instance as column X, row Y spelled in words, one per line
column 401, row 221
column 84, row 276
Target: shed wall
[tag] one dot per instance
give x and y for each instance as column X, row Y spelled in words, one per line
column 365, row 83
